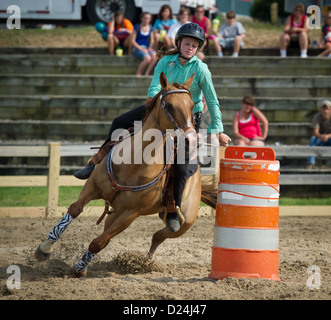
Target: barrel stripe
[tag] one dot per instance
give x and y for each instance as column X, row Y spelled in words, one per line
column 253, row 172
column 244, row 264
column 247, row 216
column 241, row 238
column 244, row 194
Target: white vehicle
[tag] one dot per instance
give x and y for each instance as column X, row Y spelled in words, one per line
column 96, row 10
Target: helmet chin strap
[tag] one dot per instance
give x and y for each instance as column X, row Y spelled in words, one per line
column 181, row 56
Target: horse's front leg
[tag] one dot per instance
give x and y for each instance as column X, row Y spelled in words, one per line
column 88, row 193
column 160, row 236
column 120, row 224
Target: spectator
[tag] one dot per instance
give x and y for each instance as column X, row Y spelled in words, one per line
column 205, row 23
column 231, row 34
column 295, row 33
column 161, row 26
column 321, row 130
column 119, row 33
column 246, row 125
column 142, row 42
column 184, row 16
column 325, row 41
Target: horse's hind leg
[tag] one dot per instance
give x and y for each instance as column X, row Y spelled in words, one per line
column 44, row 250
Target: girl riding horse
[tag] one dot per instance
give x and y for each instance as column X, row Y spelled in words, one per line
column 178, row 65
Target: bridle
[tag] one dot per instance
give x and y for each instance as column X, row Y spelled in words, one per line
column 170, row 117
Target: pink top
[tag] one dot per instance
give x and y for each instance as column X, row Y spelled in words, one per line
column 202, row 24
column 299, row 25
column 249, row 128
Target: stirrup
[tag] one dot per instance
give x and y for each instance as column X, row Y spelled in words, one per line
column 180, row 215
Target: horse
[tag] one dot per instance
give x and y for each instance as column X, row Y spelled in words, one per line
column 171, row 108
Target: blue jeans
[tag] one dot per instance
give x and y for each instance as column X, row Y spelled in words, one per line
column 316, row 142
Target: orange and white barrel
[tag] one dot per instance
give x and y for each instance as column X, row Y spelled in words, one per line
column 246, row 233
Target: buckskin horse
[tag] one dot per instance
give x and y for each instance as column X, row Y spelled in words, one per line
column 136, row 189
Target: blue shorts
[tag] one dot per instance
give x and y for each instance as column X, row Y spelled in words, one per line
column 140, row 54
column 229, row 42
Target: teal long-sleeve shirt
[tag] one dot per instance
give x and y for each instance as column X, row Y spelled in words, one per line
column 202, row 83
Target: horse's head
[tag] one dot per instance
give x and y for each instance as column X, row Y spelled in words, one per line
column 177, row 104
column 175, row 110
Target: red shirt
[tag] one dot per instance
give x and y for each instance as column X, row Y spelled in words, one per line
column 249, row 128
column 301, row 25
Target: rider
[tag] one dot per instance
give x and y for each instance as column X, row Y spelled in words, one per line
column 178, row 65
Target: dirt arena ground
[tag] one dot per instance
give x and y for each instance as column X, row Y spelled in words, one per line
column 179, row 271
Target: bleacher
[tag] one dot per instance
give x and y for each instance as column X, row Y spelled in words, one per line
column 72, row 96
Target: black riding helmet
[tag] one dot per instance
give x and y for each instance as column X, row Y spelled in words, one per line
column 192, row 30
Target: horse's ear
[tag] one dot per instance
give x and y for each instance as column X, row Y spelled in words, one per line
column 163, row 81
column 189, row 82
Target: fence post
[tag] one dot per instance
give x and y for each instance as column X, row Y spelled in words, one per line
column 53, row 177
column 274, row 13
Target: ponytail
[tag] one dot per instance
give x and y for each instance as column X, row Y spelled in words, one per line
column 163, row 52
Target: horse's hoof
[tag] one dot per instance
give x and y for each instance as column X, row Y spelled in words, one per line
column 75, row 274
column 41, row 256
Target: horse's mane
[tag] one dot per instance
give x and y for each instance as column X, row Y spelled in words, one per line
column 150, row 102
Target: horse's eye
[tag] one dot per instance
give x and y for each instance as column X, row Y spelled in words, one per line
column 169, row 107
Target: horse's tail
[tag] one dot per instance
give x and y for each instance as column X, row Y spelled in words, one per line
column 209, row 188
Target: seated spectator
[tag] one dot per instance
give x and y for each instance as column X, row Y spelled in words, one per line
column 231, row 34
column 184, row 16
column 205, row 23
column 295, row 33
column 142, row 43
column 325, row 41
column 119, row 33
column 321, row 130
column 246, row 125
column 161, row 26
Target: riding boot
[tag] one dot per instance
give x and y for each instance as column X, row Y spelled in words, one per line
column 172, row 221
column 182, row 172
column 93, row 161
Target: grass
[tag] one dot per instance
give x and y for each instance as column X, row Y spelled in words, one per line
column 258, row 34
column 37, row 197
column 59, row 37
